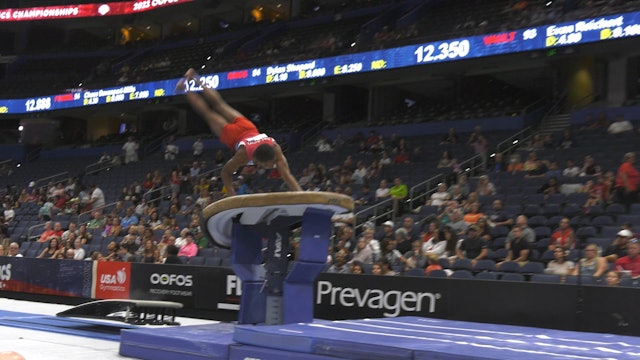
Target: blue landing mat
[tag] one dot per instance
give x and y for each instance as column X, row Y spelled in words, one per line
column 422, row 338
column 105, row 330
column 194, row 342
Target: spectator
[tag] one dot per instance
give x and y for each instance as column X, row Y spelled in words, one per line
column 627, row 179
column 527, row 233
column 612, row 278
column 437, row 245
column 45, row 211
column 440, row 196
column 592, row 264
column 620, row 126
column 472, row 247
column 52, row 249
column 172, row 255
column 434, row 264
column 47, row 232
column 618, row 247
column 473, row 215
column 9, row 212
column 382, row 193
column 171, row 150
column 519, row 247
column 340, row 265
column 198, row 148
column 14, row 250
column 79, row 253
column 631, row 262
column 398, row 192
column 560, row 265
column 97, row 198
column 414, row 258
column 485, row 187
column 130, row 219
column 589, row 166
column 130, row 150
column 497, row 216
column 564, row 237
column 189, row 249
column 515, row 164
column 571, row 170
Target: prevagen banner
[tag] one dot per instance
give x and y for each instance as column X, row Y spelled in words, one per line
column 84, row 10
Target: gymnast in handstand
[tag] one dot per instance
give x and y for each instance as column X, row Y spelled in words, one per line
column 238, row 133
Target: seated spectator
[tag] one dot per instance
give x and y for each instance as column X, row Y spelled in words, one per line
column 589, row 166
column 79, row 253
column 383, row 267
column 440, row 196
column 339, row 265
column 189, row 249
column 552, row 186
column 172, row 255
column 52, row 249
column 612, row 278
column 564, row 237
column 356, row 268
column 398, row 193
column 382, row 193
column 571, row 170
column 560, row 265
column 47, row 232
column 566, row 140
column 171, row 150
column 437, row 245
column 414, row 258
column 14, row 250
column 445, row 160
column 472, row 247
column 618, row 247
column 485, row 187
column 592, row 264
column 523, row 222
column 434, row 264
column 519, row 248
column 631, row 262
column 620, row 126
column 515, row 164
column 473, row 215
column 497, row 216
column 498, row 163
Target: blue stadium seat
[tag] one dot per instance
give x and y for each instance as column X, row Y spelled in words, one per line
column 437, row 274
column 484, row 265
column 487, row 275
column 512, row 277
column 546, row 278
column 532, row 267
column 462, row 274
column 509, row 266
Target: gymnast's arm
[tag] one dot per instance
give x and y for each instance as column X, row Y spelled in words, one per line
column 239, row 159
column 283, row 169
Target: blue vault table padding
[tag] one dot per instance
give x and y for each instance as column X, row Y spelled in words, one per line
column 244, row 352
column 423, row 338
column 194, row 342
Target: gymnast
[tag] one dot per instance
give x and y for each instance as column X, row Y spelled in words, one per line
column 238, row 133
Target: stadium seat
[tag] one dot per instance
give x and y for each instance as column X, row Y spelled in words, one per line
column 512, row 277
column 509, row 266
column 437, row 274
column 462, row 264
column 462, row 274
column 546, row 278
column 487, row 275
column 484, row 265
column 532, row 267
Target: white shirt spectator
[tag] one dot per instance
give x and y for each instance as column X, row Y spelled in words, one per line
column 571, row 171
column 97, row 197
column 198, row 148
column 620, row 126
column 171, row 151
column 130, row 149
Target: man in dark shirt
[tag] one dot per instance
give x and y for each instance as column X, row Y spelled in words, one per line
column 519, row 250
column 473, row 247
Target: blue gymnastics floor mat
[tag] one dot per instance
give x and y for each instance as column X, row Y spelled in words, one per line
column 195, row 342
column 403, row 338
column 423, row 338
column 95, row 329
